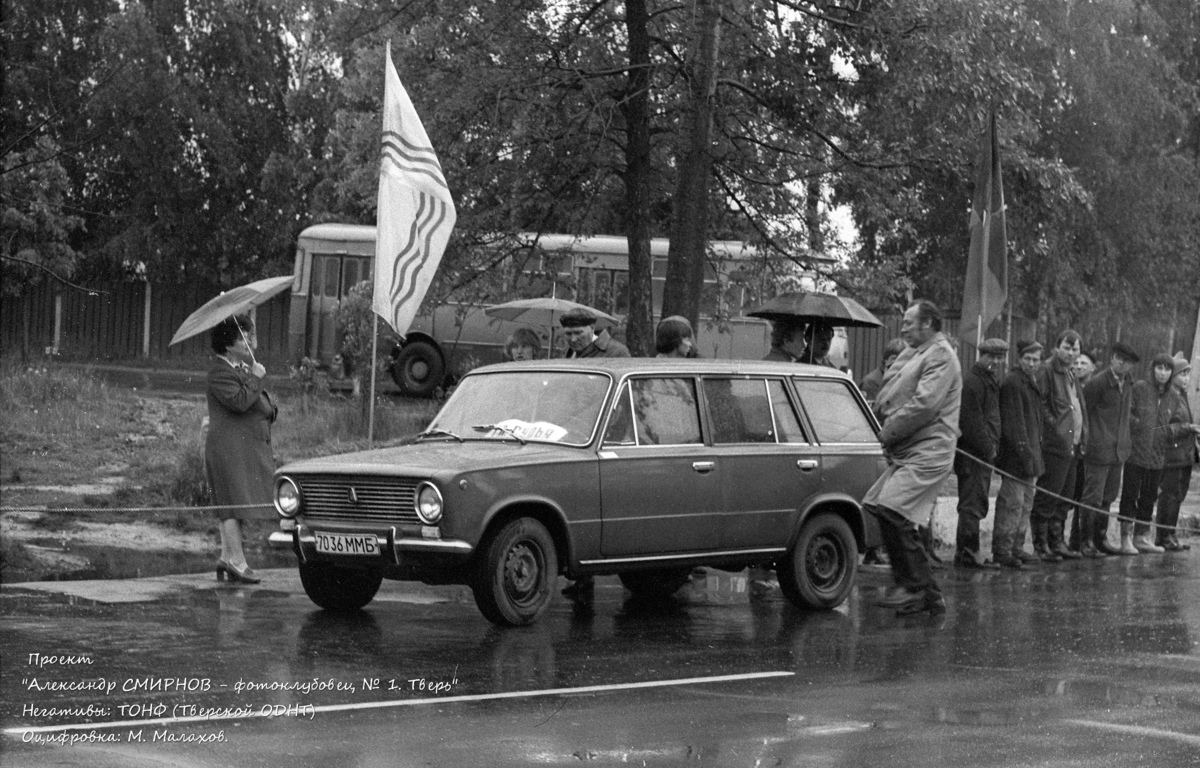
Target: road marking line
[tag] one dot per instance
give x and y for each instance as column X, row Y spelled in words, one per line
column 314, row 709
column 1139, row 730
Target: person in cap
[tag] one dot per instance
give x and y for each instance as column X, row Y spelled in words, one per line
column 1063, row 441
column 978, row 444
column 579, row 326
column 1180, row 457
column 787, row 339
column 818, row 342
column 1109, row 396
column 918, row 408
column 1150, row 413
column 1019, row 457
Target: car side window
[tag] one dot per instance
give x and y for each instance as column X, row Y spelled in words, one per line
column 739, row 411
column 665, row 411
column 787, row 426
column 620, row 426
column 836, row 414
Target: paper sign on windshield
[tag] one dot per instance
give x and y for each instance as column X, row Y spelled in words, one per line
column 538, row 430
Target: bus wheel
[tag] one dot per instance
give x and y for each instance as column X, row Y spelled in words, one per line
column 418, row 369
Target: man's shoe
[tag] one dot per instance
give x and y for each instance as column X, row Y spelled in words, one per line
column 934, row 603
column 1066, row 554
column 1026, row 557
column 1106, row 548
column 581, row 589
column 899, row 597
column 1176, row 544
column 1145, row 546
column 1090, row 552
column 1046, row 555
column 1127, row 547
column 1009, row 561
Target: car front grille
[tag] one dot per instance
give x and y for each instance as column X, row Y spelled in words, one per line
column 381, row 499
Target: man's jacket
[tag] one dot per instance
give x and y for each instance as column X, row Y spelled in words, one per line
column 1021, row 420
column 1108, row 410
column 1055, row 380
column 978, row 418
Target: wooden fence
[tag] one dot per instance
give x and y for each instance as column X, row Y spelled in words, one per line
column 130, row 320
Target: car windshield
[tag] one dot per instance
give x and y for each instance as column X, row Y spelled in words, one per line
column 524, row 406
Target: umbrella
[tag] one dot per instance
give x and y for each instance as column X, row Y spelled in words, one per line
column 544, row 311
column 813, row 306
column 235, row 301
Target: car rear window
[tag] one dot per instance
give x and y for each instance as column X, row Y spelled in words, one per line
column 750, row 411
column 834, row 411
column 664, row 412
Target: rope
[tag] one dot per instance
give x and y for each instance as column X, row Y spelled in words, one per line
column 1073, row 502
column 219, row 507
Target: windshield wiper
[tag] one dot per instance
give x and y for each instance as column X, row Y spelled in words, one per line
column 502, row 428
column 436, row 432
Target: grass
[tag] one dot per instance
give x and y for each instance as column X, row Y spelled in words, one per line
column 63, row 426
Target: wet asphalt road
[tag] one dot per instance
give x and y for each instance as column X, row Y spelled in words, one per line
column 1092, row 663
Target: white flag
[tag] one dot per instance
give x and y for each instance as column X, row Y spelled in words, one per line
column 415, row 212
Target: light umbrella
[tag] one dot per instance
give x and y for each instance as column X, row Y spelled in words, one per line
column 235, row 301
column 544, row 312
column 813, row 306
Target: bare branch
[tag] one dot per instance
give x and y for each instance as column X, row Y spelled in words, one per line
column 55, row 275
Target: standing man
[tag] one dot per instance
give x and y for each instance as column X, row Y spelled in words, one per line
column 819, row 339
column 1020, row 456
column 1109, row 395
column 579, row 326
column 1063, row 440
column 979, row 423
column 918, row 407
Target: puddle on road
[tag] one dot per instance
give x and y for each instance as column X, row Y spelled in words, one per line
column 105, row 562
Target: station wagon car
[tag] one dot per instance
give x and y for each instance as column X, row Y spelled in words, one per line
column 644, row 468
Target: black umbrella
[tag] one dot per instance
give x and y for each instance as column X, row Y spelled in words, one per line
column 812, row 306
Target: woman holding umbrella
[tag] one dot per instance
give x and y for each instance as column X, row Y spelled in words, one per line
column 237, row 449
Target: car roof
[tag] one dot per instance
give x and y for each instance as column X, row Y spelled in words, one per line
column 620, row 366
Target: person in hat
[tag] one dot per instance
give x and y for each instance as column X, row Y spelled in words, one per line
column 1180, row 457
column 978, row 444
column 579, row 326
column 1150, row 414
column 1109, row 396
column 1019, row 457
column 918, row 407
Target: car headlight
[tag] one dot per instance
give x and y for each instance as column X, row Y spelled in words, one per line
column 287, row 497
column 429, row 503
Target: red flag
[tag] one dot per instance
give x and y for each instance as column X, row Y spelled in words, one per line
column 986, row 287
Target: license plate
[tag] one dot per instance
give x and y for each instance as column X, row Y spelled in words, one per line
column 346, row 544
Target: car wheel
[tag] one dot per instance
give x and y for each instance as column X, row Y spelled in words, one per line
column 517, row 573
column 819, row 571
column 655, row 584
column 336, row 588
column 418, row 369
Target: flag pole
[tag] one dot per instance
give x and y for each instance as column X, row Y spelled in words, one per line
column 374, row 365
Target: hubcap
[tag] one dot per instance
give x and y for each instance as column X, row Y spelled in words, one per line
column 522, row 571
column 824, row 562
column 418, row 370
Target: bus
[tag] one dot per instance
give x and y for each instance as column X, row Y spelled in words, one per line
column 453, row 337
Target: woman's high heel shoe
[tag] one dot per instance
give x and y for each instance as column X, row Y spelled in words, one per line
column 246, row 576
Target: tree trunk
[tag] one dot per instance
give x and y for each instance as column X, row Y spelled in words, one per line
column 689, row 230
column 636, row 107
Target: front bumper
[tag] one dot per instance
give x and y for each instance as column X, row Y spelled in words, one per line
column 392, row 546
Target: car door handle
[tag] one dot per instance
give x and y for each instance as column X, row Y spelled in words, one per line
column 704, row 466
column 807, row 465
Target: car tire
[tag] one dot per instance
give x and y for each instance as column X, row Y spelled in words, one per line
column 655, row 584
column 339, row 589
column 418, row 369
column 517, row 573
column 819, row 571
